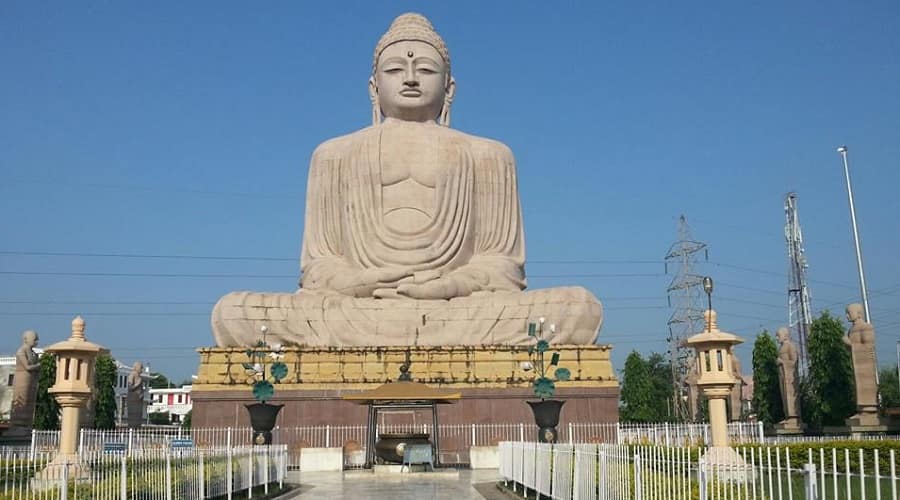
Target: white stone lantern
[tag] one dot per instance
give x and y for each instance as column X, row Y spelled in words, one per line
column 75, row 360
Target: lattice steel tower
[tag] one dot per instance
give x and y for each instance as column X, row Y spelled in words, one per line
column 685, row 293
column 799, row 312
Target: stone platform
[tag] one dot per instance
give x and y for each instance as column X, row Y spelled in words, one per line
column 491, row 379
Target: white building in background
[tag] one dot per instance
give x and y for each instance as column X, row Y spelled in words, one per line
column 7, row 370
column 176, row 401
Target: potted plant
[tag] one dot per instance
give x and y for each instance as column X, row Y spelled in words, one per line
column 263, row 414
column 546, row 410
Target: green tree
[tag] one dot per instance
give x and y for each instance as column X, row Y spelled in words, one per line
column 46, row 409
column 160, row 418
column 637, row 390
column 647, row 389
column 889, row 387
column 105, row 374
column 159, row 381
column 766, row 386
column 186, row 421
column 828, row 392
column 660, row 371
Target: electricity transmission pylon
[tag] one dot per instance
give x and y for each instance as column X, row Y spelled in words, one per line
column 685, row 293
column 799, row 311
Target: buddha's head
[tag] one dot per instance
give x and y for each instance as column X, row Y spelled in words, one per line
column 29, row 338
column 138, row 367
column 411, row 73
column 854, row 312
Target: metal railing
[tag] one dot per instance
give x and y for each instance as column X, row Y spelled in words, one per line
column 618, row 472
column 164, row 474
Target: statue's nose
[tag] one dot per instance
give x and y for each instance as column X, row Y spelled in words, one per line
column 410, row 80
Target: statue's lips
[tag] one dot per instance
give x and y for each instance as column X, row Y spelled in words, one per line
column 411, row 93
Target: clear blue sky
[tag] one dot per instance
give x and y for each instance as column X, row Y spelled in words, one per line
column 185, row 129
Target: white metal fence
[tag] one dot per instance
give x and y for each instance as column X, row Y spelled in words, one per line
column 146, row 474
column 455, row 438
column 618, row 472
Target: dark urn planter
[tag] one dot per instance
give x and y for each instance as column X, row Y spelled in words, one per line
column 546, row 416
column 262, row 420
column 390, row 446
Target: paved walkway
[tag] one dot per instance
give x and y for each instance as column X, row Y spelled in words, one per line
column 361, row 485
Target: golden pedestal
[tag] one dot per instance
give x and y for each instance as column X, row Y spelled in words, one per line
column 492, row 381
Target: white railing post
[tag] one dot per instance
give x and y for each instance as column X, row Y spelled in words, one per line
column 604, row 471
column 474, row 443
column 250, row 474
column 638, row 485
column 701, row 479
column 123, row 480
column 668, row 436
column 266, row 472
column 31, row 452
column 328, row 436
column 760, row 433
column 202, row 476
column 810, row 484
column 571, row 436
column 168, row 475
column 80, row 441
column 618, row 433
column 282, row 467
column 64, row 481
column 130, row 440
column 521, row 432
column 229, row 471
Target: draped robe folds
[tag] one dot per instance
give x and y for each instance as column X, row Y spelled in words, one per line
column 475, row 234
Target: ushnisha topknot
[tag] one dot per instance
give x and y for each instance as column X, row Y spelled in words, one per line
column 412, row 27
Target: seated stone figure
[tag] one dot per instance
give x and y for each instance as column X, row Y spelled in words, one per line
column 413, row 231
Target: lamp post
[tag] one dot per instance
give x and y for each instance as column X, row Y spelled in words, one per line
column 716, row 381
column 859, row 263
column 75, row 362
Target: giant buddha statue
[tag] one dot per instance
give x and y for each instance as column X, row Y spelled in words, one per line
column 413, row 232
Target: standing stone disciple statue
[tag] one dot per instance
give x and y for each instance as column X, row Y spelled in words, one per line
column 136, row 396
column 413, row 232
column 787, row 377
column 25, row 380
column 861, row 341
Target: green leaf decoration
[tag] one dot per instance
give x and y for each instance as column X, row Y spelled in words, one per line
column 563, row 374
column 531, row 329
column 263, row 390
column 542, row 345
column 260, row 343
column 248, row 366
column 249, row 353
column 544, row 387
column 278, row 370
column 554, row 360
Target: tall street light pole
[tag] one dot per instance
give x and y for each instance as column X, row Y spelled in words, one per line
column 859, row 263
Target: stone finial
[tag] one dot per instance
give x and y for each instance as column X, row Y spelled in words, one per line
column 709, row 317
column 78, row 328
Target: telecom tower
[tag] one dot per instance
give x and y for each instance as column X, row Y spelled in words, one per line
column 799, row 312
column 685, row 293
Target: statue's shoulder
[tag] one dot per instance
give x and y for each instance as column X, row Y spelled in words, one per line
column 483, row 146
column 340, row 146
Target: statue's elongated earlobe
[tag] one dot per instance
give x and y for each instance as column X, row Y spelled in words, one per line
column 448, row 102
column 376, row 106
